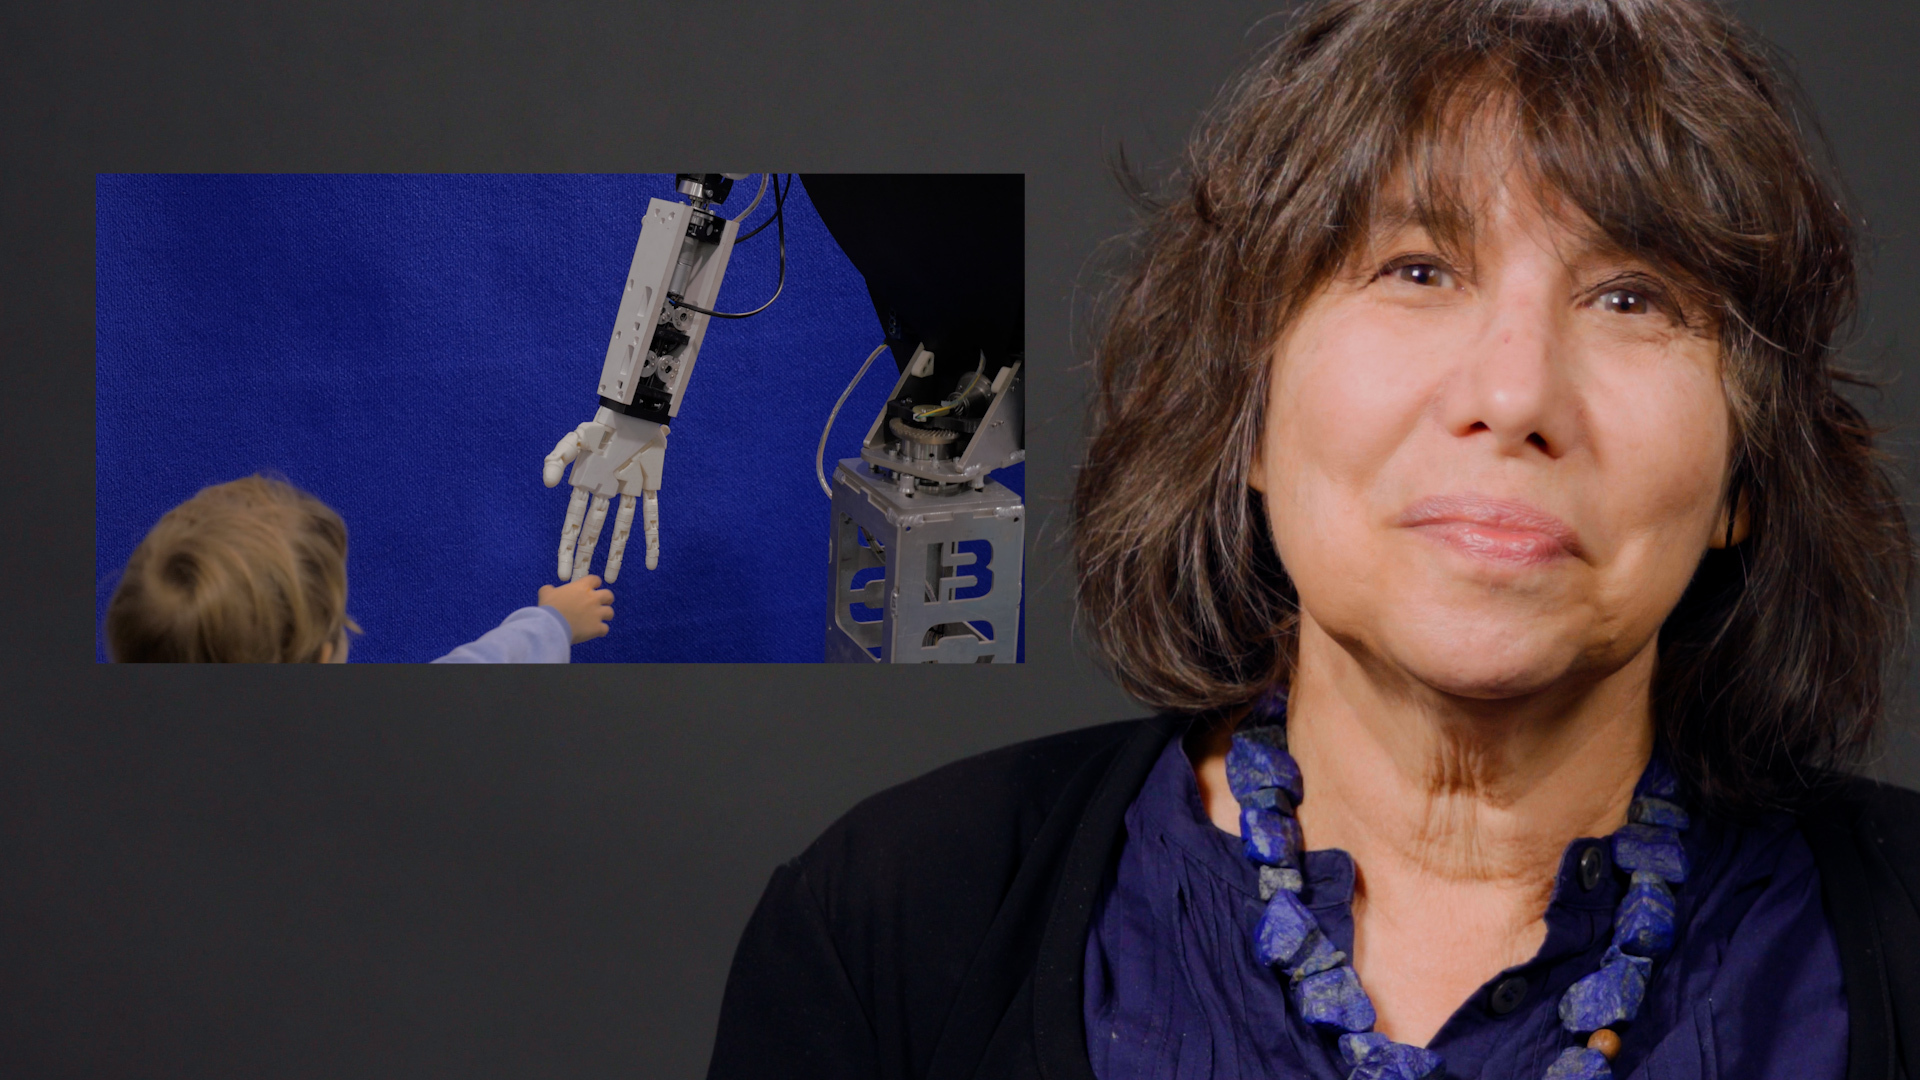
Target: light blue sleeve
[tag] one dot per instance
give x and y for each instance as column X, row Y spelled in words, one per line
column 532, row 635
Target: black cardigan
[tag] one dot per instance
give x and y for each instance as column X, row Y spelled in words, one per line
column 938, row 929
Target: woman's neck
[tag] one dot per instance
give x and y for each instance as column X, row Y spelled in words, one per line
column 1462, row 790
column 1456, row 813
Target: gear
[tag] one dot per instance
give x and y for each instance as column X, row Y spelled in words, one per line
column 924, row 436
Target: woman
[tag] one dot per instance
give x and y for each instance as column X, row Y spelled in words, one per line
column 1470, row 486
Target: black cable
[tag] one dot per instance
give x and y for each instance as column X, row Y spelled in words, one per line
column 780, row 218
column 777, row 198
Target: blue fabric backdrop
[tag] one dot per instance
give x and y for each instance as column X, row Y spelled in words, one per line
column 409, row 348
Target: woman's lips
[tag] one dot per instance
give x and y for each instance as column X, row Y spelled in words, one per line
column 1497, row 530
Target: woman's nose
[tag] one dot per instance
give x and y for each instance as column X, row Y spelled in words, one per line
column 1511, row 383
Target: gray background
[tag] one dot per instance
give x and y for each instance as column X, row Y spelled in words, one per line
column 385, row 871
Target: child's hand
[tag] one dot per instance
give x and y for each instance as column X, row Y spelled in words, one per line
column 585, row 604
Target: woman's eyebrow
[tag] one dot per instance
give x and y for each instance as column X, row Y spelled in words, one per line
column 1390, row 219
column 1586, row 249
column 1450, row 227
column 1588, row 255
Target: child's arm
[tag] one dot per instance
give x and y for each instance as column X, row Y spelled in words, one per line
column 574, row 612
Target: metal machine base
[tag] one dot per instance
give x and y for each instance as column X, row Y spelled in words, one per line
column 942, row 572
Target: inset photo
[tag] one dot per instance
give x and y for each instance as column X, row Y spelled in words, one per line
column 412, row 418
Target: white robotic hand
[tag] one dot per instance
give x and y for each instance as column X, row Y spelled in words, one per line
column 613, row 455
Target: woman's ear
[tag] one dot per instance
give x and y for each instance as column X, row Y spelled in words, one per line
column 1257, row 468
column 1735, row 521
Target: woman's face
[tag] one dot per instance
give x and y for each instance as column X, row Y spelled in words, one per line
column 1497, row 473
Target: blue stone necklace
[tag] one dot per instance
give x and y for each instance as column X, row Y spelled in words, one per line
column 1266, row 782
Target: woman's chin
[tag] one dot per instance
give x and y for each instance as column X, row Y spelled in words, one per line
column 1485, row 667
column 1487, row 684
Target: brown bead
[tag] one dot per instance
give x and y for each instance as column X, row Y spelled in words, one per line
column 1604, row 1041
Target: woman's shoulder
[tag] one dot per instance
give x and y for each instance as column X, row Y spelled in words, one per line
column 1865, row 839
column 1869, row 819
column 909, row 924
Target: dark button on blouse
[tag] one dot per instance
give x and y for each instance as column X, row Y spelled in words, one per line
column 1593, row 864
column 1173, row 991
column 1507, row 994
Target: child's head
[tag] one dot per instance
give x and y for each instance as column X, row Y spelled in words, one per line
column 252, row 571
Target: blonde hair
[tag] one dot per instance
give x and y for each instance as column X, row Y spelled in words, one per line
column 250, row 571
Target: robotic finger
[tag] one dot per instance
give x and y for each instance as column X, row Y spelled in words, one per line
column 591, row 538
column 617, row 547
column 565, row 451
column 653, row 529
column 576, row 509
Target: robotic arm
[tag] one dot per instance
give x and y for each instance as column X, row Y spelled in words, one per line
column 942, row 257
column 677, row 266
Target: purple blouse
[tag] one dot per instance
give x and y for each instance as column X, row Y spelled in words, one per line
column 1751, row 989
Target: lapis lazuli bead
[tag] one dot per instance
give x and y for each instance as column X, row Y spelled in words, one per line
column 1275, row 878
column 1418, row 1061
column 1285, row 932
column 1651, row 848
column 1269, row 838
column 1258, row 759
column 1647, row 810
column 1318, row 956
column 1643, row 925
column 1579, row 1063
column 1658, row 781
column 1397, row 1061
column 1358, row 1046
column 1608, row 996
column 1270, row 798
column 1333, row 999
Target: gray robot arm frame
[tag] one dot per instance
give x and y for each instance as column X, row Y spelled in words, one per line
column 680, row 257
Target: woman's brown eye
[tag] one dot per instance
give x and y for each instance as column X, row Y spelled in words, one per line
column 1625, row 302
column 1418, row 273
